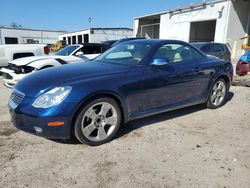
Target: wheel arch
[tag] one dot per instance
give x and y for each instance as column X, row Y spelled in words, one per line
column 221, row 76
column 225, row 78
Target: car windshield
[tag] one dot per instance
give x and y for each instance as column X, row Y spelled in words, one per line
column 67, row 50
column 128, row 53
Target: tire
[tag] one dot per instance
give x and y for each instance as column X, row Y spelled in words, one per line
column 98, row 122
column 217, row 94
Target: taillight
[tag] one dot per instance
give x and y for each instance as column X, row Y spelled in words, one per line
column 46, row 50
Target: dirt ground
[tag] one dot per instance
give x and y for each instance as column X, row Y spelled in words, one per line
column 191, row 147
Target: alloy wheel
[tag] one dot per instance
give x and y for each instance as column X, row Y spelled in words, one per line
column 99, row 121
column 218, row 93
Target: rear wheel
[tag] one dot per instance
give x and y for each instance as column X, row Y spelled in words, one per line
column 98, row 122
column 217, row 94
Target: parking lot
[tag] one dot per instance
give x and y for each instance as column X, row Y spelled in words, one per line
column 191, row 147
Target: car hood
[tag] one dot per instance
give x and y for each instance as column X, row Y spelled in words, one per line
column 28, row 60
column 67, row 75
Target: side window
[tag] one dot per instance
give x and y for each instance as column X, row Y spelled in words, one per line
column 177, row 53
column 91, row 50
column 195, row 53
column 20, row 55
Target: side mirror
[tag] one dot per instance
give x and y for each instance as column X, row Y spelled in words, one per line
column 159, row 61
column 79, row 54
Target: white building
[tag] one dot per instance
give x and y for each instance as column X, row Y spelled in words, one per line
column 12, row 35
column 96, row 35
column 224, row 21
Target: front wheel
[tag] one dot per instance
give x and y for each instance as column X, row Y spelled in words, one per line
column 217, row 95
column 98, row 121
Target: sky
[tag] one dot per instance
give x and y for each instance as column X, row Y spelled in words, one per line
column 73, row 15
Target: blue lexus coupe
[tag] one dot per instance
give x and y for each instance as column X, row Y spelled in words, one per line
column 131, row 80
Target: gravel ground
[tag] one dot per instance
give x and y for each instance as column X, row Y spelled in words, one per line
column 191, row 147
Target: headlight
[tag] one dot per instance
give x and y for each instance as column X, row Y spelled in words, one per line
column 53, row 97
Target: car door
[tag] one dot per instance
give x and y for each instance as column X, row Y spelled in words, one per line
column 176, row 82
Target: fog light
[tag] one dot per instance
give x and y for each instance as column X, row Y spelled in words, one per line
column 38, row 129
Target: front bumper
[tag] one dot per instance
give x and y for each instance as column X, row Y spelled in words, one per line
column 9, row 83
column 32, row 124
column 10, row 78
column 35, row 121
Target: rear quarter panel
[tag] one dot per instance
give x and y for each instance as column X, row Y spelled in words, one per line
column 221, row 69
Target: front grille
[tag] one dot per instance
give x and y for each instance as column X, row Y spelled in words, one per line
column 6, row 76
column 16, row 98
